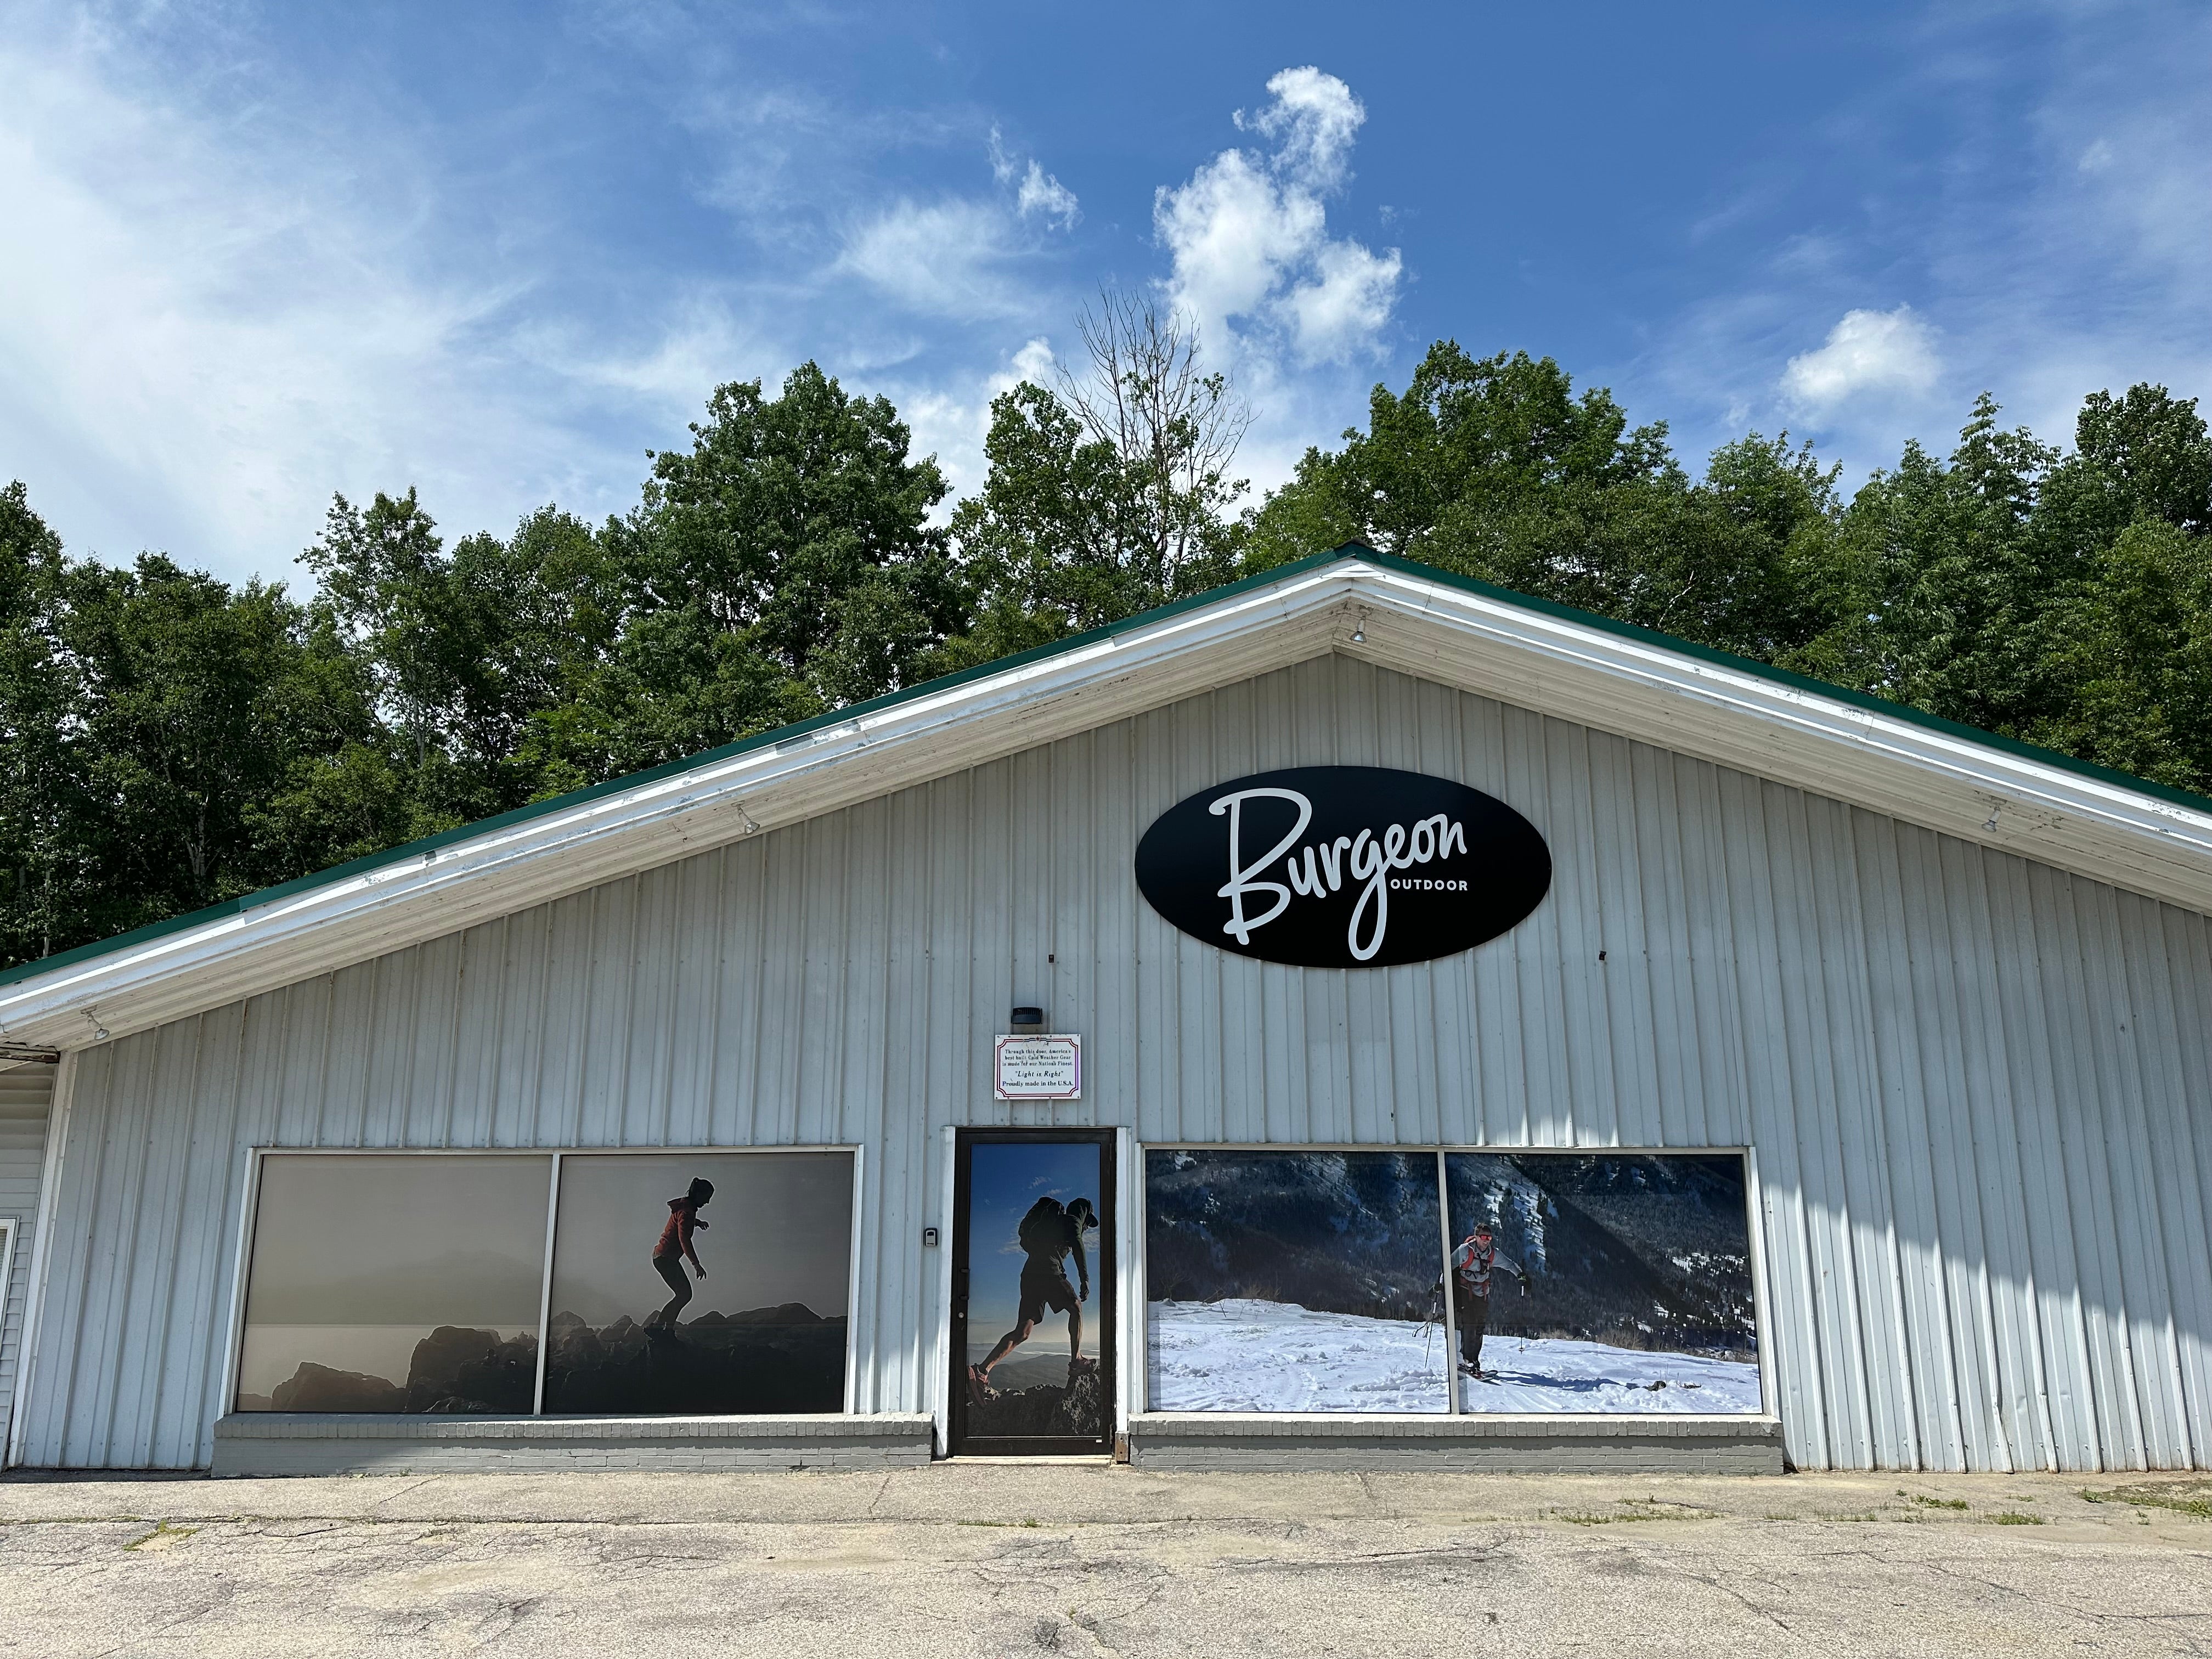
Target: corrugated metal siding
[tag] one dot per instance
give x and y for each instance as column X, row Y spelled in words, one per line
column 1973, row 1083
column 26, row 1093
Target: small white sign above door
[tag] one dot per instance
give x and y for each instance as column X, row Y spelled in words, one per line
column 1037, row 1068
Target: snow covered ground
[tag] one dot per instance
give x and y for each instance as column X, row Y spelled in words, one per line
column 1555, row 1373
column 1250, row 1355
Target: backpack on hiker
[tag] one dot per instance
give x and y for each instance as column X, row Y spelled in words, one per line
column 1044, row 1230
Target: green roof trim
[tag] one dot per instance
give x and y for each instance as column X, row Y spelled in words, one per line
column 430, row 844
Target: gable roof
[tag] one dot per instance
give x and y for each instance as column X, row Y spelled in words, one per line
column 1411, row 617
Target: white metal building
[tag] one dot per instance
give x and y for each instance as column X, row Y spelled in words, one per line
column 1950, row 993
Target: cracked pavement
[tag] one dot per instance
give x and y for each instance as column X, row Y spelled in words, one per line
column 986, row 1559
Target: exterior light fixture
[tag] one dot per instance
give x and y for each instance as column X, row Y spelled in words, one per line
column 1359, row 629
column 1027, row 1022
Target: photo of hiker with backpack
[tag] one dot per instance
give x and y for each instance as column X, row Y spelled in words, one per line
column 1033, row 1293
column 1049, row 1233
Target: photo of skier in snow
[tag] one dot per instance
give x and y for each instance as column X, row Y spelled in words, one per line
column 1474, row 1264
column 1049, row 1234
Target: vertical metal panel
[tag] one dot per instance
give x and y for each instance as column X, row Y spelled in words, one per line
column 26, row 1093
column 1973, row 1083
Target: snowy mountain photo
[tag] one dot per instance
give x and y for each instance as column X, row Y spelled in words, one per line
column 1633, row 1249
column 1310, row 1281
column 1289, row 1239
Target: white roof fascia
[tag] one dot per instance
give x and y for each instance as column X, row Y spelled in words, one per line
column 1552, row 665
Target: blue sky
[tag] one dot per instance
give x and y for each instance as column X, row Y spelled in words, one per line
column 254, row 255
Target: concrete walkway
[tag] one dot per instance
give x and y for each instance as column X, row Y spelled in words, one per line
column 986, row 1559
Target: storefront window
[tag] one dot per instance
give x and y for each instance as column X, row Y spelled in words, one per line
column 1310, row 1280
column 709, row 1284
column 395, row 1284
column 1293, row 1281
column 1616, row 1282
column 701, row 1284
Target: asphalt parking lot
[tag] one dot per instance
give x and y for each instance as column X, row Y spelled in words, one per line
column 973, row 1559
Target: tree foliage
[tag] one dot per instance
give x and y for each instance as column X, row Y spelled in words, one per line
column 1107, row 495
column 168, row 739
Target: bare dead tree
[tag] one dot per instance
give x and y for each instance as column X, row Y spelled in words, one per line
column 1175, row 425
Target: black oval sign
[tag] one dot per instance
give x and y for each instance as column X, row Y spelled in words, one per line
column 1343, row 866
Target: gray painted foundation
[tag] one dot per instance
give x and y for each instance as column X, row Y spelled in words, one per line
column 262, row 1443
column 1514, row 1445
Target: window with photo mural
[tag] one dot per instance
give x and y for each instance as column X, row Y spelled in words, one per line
column 739, row 1306
column 1307, row 1279
column 678, row 1283
column 391, row 1282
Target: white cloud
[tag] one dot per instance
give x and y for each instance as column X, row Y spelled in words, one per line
column 1038, row 195
column 1042, row 196
column 1315, row 118
column 213, row 314
column 2079, row 268
column 1348, row 303
column 221, row 303
column 942, row 258
column 954, row 259
column 1033, row 363
column 1868, row 351
column 195, row 341
column 1253, row 260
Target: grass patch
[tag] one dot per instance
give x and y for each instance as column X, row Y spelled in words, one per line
column 2015, row 1518
column 1633, row 1509
column 164, row 1536
column 2182, row 1497
column 1935, row 1503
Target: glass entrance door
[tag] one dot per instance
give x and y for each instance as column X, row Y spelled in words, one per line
column 1033, row 1291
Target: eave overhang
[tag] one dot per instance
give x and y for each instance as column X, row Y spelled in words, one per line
column 1409, row 617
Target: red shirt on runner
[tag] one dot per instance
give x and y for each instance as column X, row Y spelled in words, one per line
column 676, row 1237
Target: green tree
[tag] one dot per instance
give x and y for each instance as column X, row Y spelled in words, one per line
column 1493, row 467
column 2150, row 450
column 46, row 825
column 465, row 651
column 1934, row 579
column 1496, row 468
column 2125, row 623
column 198, row 702
column 1106, row 496
column 2129, row 656
column 798, row 528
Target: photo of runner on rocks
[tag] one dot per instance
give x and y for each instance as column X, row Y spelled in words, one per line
column 653, row 1313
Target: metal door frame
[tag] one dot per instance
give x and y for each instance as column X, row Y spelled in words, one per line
column 1105, row 1319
